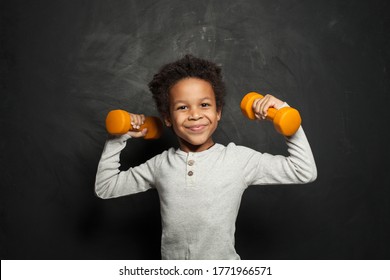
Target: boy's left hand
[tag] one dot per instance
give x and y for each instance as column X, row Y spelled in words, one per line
column 261, row 105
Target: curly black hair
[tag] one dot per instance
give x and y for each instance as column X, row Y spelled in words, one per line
column 187, row 67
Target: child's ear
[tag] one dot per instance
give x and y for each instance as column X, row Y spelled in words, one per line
column 219, row 114
column 167, row 121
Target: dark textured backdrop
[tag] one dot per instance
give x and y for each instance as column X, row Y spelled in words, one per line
column 65, row 64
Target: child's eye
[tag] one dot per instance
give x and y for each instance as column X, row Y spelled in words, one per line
column 181, row 108
column 205, row 105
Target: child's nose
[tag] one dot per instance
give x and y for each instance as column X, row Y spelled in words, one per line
column 194, row 114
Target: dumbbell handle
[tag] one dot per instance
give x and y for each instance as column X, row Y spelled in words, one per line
column 286, row 120
column 118, row 122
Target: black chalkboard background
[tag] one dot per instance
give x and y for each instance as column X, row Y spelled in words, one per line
column 65, row 64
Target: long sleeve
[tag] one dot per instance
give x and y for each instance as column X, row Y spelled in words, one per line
column 111, row 182
column 297, row 168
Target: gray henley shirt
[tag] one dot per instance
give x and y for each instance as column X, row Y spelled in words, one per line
column 200, row 193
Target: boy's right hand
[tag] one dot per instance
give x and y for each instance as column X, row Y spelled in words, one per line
column 136, row 122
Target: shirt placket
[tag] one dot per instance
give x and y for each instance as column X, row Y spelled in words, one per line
column 190, row 171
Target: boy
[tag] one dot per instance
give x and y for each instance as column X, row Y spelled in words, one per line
column 201, row 183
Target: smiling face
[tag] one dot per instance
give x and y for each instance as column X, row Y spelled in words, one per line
column 194, row 115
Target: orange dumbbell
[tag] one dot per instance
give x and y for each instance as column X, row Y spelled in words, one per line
column 118, row 122
column 286, row 120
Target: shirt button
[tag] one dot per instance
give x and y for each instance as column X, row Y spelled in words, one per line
column 191, row 162
column 190, row 173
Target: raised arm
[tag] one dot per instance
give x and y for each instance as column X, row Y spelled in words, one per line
column 110, row 181
column 297, row 168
